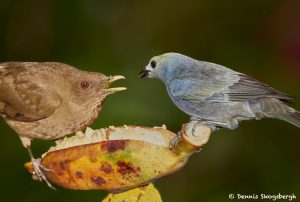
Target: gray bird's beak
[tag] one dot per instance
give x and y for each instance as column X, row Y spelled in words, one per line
column 112, row 79
column 144, row 73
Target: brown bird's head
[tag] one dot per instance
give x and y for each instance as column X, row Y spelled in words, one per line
column 91, row 88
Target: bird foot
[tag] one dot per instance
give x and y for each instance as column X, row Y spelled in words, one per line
column 175, row 139
column 214, row 126
column 38, row 172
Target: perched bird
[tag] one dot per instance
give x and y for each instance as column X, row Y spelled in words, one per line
column 49, row 100
column 215, row 95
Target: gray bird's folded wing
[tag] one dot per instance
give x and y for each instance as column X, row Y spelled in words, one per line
column 248, row 88
column 202, row 81
column 210, row 82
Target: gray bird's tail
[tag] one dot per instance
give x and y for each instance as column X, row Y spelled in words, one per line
column 274, row 108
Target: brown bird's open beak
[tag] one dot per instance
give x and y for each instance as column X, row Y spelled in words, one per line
column 112, row 79
column 144, row 73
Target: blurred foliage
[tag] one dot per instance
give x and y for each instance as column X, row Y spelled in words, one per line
column 259, row 38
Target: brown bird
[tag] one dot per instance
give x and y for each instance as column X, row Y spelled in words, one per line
column 49, row 100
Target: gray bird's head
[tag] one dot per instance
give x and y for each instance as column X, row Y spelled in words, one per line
column 166, row 66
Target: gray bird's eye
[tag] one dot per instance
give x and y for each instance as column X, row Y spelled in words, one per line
column 153, row 64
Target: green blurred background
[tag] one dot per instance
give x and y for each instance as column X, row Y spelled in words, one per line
column 259, row 38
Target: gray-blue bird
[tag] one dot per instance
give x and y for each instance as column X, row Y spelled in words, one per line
column 216, row 95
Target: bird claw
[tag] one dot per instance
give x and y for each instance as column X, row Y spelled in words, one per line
column 174, row 140
column 194, row 126
column 38, row 169
column 214, row 126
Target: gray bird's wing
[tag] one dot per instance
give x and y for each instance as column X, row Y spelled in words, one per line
column 216, row 83
column 248, row 88
column 24, row 93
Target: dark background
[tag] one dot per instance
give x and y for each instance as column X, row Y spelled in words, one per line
column 259, row 38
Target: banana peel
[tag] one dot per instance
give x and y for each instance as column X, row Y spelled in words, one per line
column 146, row 193
column 118, row 159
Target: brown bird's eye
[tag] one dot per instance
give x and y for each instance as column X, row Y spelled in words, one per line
column 84, row 84
column 153, row 64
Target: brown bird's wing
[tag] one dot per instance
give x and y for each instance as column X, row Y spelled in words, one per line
column 25, row 93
